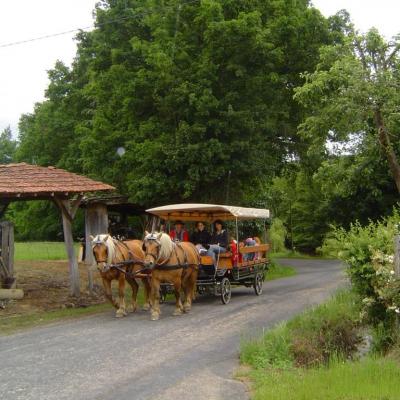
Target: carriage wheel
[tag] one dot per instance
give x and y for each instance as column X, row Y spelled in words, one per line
column 225, row 290
column 258, row 283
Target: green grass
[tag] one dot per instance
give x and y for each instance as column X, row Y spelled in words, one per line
column 369, row 379
column 14, row 323
column 311, row 337
column 277, row 271
column 308, row 358
column 295, row 254
column 35, row 251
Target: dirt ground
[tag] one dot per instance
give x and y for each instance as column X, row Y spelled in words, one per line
column 46, row 288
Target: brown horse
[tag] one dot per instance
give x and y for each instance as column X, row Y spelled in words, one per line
column 107, row 251
column 175, row 263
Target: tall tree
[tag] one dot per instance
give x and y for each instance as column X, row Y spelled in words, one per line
column 355, row 89
column 8, row 146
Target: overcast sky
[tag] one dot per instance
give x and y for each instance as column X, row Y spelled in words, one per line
column 23, row 76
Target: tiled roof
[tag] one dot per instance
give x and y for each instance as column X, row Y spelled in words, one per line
column 25, row 180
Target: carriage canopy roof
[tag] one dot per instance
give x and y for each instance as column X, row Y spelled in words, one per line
column 209, row 212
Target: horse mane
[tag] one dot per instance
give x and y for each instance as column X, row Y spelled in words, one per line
column 166, row 244
column 109, row 243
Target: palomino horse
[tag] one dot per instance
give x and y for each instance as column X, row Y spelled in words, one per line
column 107, row 251
column 176, row 263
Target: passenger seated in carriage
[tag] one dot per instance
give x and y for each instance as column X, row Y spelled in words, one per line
column 219, row 240
column 201, row 237
column 179, row 234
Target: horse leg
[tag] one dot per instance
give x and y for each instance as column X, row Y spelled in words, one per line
column 189, row 289
column 135, row 288
column 155, row 298
column 177, row 292
column 108, row 292
column 121, row 312
column 147, row 289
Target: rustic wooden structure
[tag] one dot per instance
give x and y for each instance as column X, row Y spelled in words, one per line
column 31, row 182
column 6, row 254
column 97, row 211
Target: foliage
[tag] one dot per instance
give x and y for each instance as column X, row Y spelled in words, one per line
column 368, row 253
column 8, row 146
column 276, row 271
column 277, row 235
column 354, row 89
column 310, row 339
column 40, row 220
column 297, row 200
column 195, row 93
column 309, row 200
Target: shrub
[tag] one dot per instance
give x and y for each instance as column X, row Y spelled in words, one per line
column 368, row 253
column 310, row 339
column 277, row 235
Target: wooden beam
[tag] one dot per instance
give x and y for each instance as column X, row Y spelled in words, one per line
column 67, row 218
column 14, row 294
column 75, row 205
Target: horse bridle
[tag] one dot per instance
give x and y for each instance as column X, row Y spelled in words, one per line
column 106, row 267
column 156, row 258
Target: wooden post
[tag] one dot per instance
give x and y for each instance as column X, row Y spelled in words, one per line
column 7, row 248
column 96, row 223
column 68, row 211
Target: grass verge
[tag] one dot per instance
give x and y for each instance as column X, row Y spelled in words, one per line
column 41, row 251
column 17, row 322
column 296, row 254
column 311, row 357
column 14, row 323
column 369, row 379
column 277, row 270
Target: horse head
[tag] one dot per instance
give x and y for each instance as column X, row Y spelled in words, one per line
column 101, row 251
column 152, row 247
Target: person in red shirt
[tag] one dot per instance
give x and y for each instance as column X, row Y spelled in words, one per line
column 179, row 234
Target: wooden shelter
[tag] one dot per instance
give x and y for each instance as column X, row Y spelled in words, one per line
column 32, row 182
column 97, row 210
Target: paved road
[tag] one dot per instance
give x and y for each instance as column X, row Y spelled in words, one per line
column 190, row 357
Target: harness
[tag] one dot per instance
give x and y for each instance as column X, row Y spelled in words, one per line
column 126, row 262
column 163, row 264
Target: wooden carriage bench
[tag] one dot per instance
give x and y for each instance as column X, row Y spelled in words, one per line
column 225, row 259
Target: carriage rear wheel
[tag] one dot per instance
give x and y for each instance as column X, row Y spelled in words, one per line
column 225, row 290
column 258, row 283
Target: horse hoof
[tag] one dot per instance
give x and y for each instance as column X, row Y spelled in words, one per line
column 187, row 309
column 155, row 317
column 120, row 313
column 132, row 309
column 177, row 312
column 146, row 307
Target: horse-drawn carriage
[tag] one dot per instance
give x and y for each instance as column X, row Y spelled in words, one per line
column 168, row 267
column 231, row 268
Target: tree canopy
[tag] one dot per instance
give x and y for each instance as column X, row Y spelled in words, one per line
column 193, row 92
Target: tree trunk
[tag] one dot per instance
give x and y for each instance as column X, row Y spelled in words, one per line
column 385, row 143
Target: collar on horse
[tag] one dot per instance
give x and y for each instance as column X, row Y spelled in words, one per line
column 125, row 261
column 163, row 264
